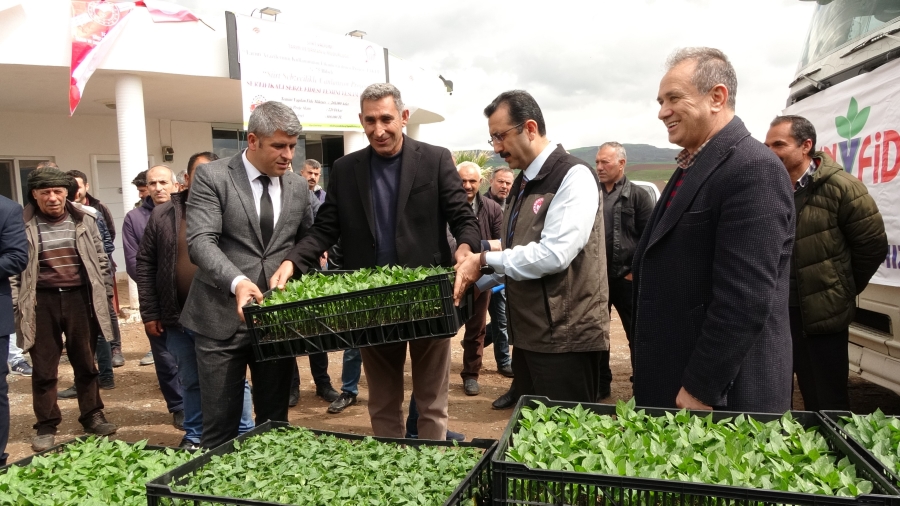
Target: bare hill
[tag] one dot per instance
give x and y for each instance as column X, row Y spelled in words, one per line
column 638, row 154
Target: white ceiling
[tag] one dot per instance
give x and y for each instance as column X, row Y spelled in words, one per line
column 44, row 90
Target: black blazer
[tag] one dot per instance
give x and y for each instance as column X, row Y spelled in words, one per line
column 13, row 258
column 430, row 198
column 711, row 282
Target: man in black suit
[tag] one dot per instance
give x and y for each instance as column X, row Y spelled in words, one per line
column 711, row 273
column 390, row 204
column 13, row 258
column 244, row 215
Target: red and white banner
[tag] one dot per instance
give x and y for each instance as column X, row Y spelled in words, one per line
column 167, row 12
column 95, row 27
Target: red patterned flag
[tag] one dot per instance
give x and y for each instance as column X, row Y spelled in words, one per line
column 95, row 25
column 163, row 12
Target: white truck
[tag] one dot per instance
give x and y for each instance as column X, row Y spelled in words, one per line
column 848, row 85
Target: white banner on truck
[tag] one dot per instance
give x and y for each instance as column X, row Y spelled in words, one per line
column 319, row 75
column 857, row 123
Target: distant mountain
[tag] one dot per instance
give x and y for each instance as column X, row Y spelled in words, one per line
column 637, row 154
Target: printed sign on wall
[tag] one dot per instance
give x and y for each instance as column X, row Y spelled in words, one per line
column 319, row 75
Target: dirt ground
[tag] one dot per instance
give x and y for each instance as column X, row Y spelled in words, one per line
column 137, row 407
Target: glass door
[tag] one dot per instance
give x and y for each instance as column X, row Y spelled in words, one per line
column 14, row 171
column 7, row 179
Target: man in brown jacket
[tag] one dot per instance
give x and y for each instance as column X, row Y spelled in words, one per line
column 839, row 243
column 489, row 216
column 67, row 280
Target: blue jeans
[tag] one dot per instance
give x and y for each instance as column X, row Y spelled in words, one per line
column 4, row 398
column 180, row 342
column 104, row 358
column 166, row 372
column 495, row 331
column 351, row 371
column 15, row 353
column 247, row 423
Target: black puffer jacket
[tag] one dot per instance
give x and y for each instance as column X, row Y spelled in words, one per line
column 157, row 289
column 631, row 212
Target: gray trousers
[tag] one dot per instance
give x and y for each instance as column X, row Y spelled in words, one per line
column 222, row 365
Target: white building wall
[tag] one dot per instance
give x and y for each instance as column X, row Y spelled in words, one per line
column 74, row 142
column 71, row 140
column 189, row 138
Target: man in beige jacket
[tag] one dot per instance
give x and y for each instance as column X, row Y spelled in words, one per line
column 63, row 290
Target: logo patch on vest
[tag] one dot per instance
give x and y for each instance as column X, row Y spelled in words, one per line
column 537, row 205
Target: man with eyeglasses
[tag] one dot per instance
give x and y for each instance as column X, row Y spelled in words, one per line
column 553, row 259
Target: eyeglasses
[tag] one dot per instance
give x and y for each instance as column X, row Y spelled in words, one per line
column 502, row 135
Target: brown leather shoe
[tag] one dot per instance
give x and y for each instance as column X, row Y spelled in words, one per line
column 98, row 425
column 43, row 443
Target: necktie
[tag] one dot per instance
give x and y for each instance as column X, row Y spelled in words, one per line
column 515, row 213
column 266, row 211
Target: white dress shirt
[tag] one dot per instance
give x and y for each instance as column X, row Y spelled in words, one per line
column 257, row 188
column 567, row 227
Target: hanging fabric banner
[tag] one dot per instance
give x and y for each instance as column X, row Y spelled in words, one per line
column 95, row 27
column 167, row 12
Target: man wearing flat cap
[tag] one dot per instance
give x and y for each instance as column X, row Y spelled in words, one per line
column 67, row 282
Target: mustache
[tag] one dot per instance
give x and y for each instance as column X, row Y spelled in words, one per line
column 504, row 154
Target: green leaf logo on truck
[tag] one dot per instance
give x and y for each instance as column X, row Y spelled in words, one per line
column 853, row 123
column 872, row 156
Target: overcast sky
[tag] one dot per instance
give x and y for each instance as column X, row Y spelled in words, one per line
column 593, row 66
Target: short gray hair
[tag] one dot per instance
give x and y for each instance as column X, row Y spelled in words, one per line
column 469, row 165
column 180, row 177
column 378, row 91
column 172, row 178
column 620, row 149
column 712, row 68
column 271, row 116
column 502, row 169
column 312, row 163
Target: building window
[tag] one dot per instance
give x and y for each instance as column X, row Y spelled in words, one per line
column 229, row 142
column 14, row 173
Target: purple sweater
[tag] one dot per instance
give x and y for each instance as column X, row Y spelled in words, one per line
column 132, row 232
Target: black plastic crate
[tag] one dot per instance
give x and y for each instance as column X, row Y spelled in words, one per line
column 398, row 313
column 474, row 490
column 516, row 483
column 833, row 418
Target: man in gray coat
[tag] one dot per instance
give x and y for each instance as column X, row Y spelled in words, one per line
column 711, row 270
column 243, row 216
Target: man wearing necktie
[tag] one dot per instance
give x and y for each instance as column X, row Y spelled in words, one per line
column 244, row 215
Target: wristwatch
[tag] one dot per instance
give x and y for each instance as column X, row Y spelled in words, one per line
column 485, row 268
